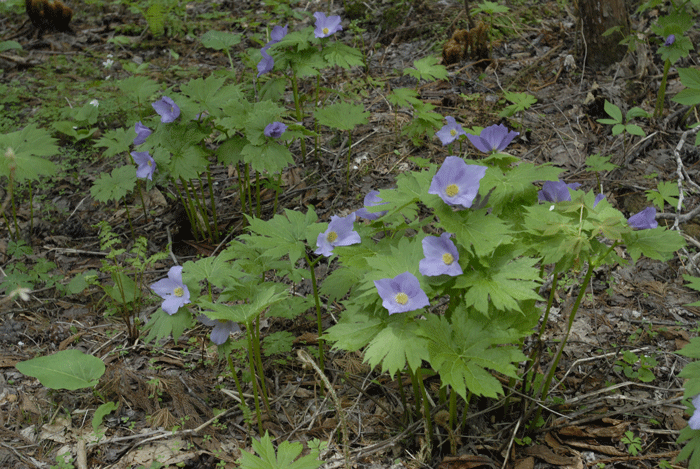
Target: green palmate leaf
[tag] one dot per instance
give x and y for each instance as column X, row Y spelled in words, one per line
column 283, row 234
column 462, row 351
column 68, row 369
column 666, row 193
column 9, row 45
column 342, row 115
column 270, row 157
column 403, row 97
column 427, row 69
column 395, row 259
column 515, row 184
column 124, row 290
column 599, row 163
column 114, row 186
column 695, row 285
column 230, row 151
column 472, row 228
column 659, row 243
column 503, row 284
column 262, row 114
column 161, row 324
column 307, row 63
column 217, row 270
column 220, row 40
column 20, row 154
column 690, row 77
column 263, row 298
column 397, row 345
column 521, row 101
column 691, row 373
column 285, row 458
column 687, row 97
column 342, row 55
column 692, row 447
column 138, row 88
column 116, row 141
column 355, row 330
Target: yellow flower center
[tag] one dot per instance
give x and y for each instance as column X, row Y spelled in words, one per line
column 332, row 236
column 325, row 31
column 150, row 163
column 452, row 190
column 178, row 291
column 453, row 132
column 401, row 298
column 447, row 258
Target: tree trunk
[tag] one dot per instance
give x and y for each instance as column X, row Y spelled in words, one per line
column 597, row 16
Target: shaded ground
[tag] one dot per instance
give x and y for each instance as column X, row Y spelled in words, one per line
column 169, row 392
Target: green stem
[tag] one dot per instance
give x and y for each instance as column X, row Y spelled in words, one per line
column 128, row 217
column 347, row 173
column 201, row 202
column 407, row 416
column 238, row 382
column 31, row 209
column 662, row 90
column 213, row 206
column 300, row 114
column 143, row 203
column 192, row 211
column 253, row 378
column 14, row 207
column 258, row 208
column 453, row 409
column 426, row 408
column 258, row 361
column 553, row 367
column 319, row 319
column 249, row 190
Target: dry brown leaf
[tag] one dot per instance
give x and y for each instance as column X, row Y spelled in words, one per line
column 549, row 456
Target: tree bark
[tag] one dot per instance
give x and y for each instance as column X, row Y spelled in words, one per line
column 597, row 16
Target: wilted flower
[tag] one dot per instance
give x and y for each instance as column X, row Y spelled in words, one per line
column 493, row 138
column 146, row 164
column 174, row 293
column 556, row 191
column 22, row 292
column 401, row 293
column 166, row 109
column 371, row 199
column 694, row 421
column 277, row 34
column 456, row 182
column 141, row 133
column 339, row 233
column 326, row 26
column 670, row 40
column 275, row 129
column 266, row 63
column 644, row 220
column 441, row 257
column 450, row 131
column 222, row 329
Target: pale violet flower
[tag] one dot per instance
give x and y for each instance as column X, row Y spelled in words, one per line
column 401, row 293
column 456, row 182
column 174, row 293
column 644, row 220
column 493, row 138
column 166, row 109
column 275, row 129
column 556, row 191
column 670, row 40
column 95, row 102
column 222, row 329
column 325, row 26
column 146, row 164
column 267, row 62
column 141, row 133
column 441, row 257
column 450, row 131
column 598, row 198
column 694, row 421
column 339, row 233
column 371, row 199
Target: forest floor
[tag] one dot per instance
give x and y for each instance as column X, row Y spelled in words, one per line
column 634, row 321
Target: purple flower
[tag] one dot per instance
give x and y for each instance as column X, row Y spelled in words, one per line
column 456, row 182
column 167, row 109
column 339, row 233
column 174, row 293
column 557, row 191
column 450, row 131
column 644, row 220
column 493, row 138
column 441, row 257
column 694, row 422
column 222, row 329
column 275, row 129
column 371, row 199
column 266, row 63
column 670, row 40
column 401, row 293
column 598, row 198
column 326, row 26
column 146, row 164
column 277, row 34
column 141, row 133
